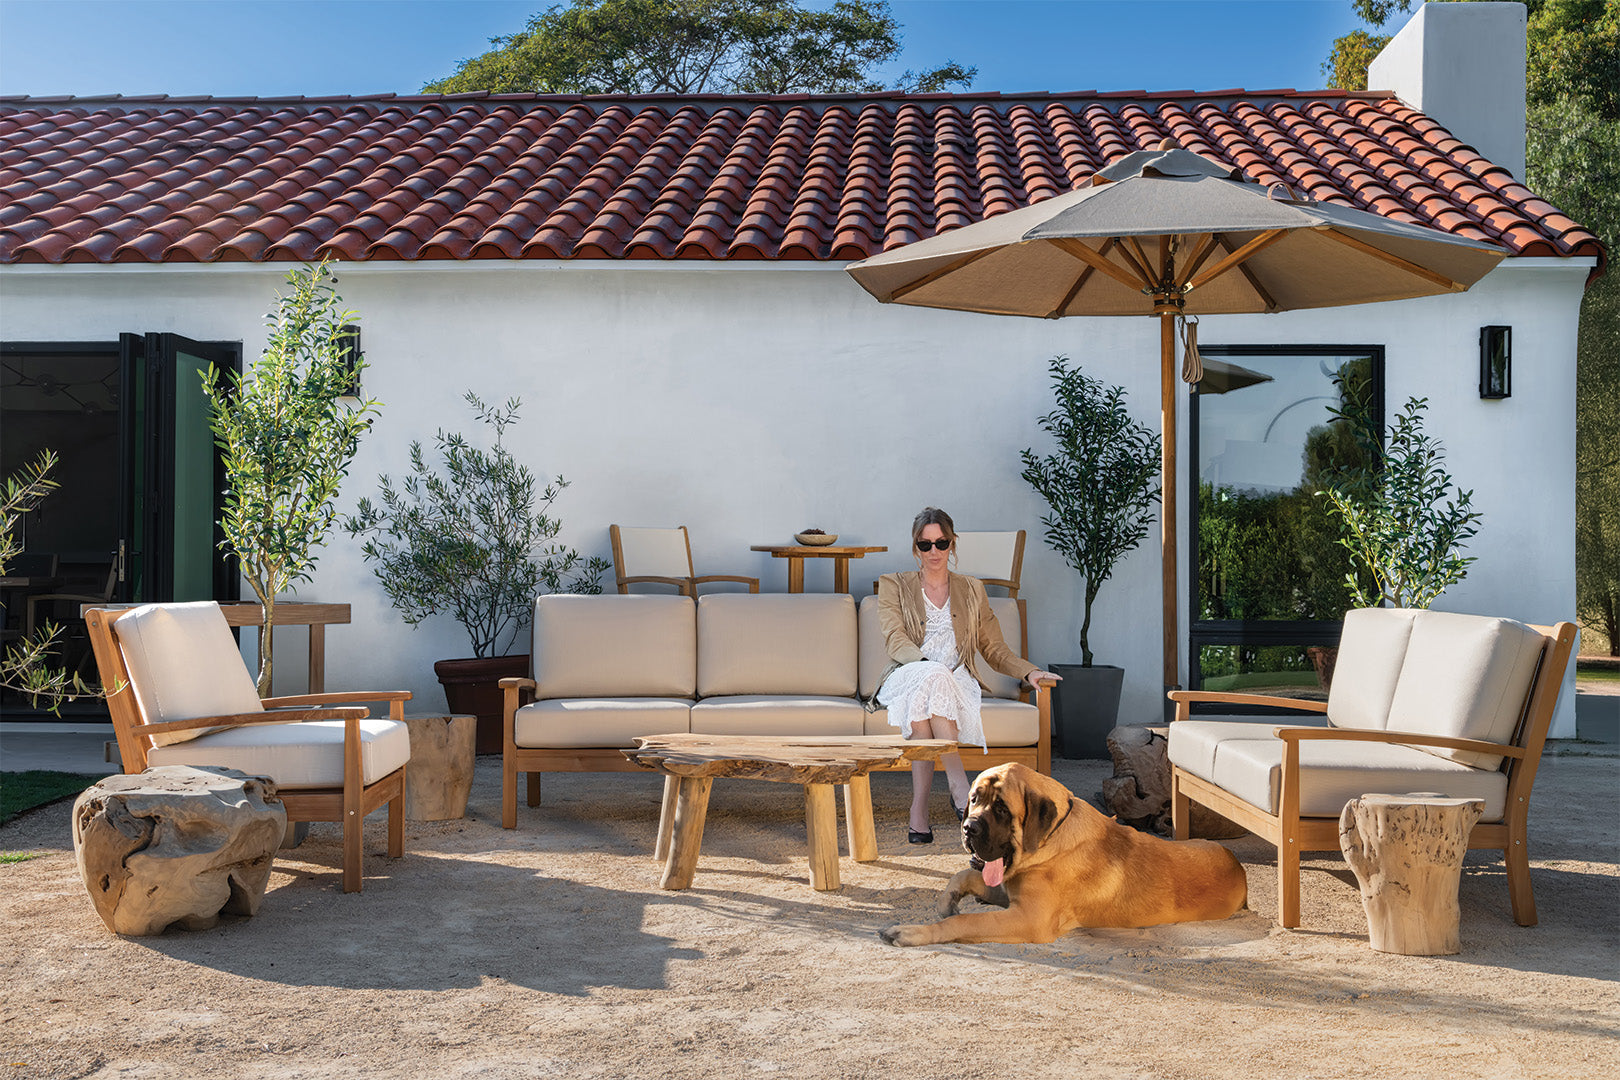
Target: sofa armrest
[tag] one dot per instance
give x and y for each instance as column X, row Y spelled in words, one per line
column 1043, row 731
column 516, row 693
column 1184, row 698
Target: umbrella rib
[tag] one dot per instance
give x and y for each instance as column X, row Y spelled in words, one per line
column 1132, row 251
column 950, row 268
column 1394, row 260
column 1206, row 245
column 1248, row 275
column 1079, row 283
column 1236, row 258
column 1098, row 262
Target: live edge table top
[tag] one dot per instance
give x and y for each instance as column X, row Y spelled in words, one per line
column 812, row 759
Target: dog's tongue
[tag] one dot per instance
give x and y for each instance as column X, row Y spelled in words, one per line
column 992, row 873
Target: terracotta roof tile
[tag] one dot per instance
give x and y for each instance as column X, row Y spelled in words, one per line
column 505, row 176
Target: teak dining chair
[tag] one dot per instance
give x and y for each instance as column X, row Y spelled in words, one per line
column 181, row 695
column 661, row 556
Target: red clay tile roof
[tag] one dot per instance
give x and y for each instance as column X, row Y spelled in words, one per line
column 166, row 180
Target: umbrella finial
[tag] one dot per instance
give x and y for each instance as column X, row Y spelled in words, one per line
column 1168, row 143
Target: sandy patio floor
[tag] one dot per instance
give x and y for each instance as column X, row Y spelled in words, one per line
column 550, row 951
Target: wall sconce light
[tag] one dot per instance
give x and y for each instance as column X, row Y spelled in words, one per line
column 1495, row 361
column 349, row 354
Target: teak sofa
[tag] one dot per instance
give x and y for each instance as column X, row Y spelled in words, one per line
column 609, row 668
column 1421, row 701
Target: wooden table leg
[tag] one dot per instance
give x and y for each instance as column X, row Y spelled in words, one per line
column 666, row 816
column 858, row 818
column 795, row 573
column 821, row 828
column 691, row 807
column 841, row 574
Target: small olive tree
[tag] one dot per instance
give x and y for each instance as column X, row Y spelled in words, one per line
column 26, row 666
column 1101, row 483
column 288, row 431
column 474, row 540
column 1400, row 516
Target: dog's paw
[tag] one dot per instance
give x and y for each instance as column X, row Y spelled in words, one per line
column 905, row 935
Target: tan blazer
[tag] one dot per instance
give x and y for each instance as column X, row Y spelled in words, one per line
column 904, row 622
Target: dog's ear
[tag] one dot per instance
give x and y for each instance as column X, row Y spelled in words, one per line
column 1040, row 814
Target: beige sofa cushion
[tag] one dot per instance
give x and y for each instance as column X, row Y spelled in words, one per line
column 1466, row 676
column 1006, row 723
column 1371, row 649
column 574, row 722
column 771, row 714
column 1333, row 773
column 615, row 646
column 801, row 644
column 1193, row 742
column 183, row 663
column 874, row 655
column 295, row 755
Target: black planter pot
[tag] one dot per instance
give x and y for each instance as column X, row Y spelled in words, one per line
column 1085, row 708
column 473, row 685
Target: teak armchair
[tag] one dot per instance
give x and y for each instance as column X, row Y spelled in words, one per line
column 995, row 558
column 664, row 557
column 181, row 695
column 1421, row 701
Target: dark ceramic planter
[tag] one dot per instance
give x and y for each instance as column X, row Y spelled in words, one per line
column 473, row 685
column 1085, row 708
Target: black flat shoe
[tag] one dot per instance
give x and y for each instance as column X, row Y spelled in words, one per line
column 961, row 812
column 920, row 837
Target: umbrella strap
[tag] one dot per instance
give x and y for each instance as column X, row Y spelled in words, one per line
column 1192, row 365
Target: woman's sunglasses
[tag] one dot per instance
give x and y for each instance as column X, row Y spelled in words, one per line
column 930, row 545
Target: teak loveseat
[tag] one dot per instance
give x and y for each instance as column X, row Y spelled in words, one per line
column 607, row 669
column 1421, row 701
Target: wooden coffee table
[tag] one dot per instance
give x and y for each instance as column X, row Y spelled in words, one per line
column 691, row 764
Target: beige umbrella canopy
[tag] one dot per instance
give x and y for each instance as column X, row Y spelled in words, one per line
column 1168, row 232
column 1221, row 377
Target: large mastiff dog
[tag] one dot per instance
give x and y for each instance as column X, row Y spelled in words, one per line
column 1055, row 863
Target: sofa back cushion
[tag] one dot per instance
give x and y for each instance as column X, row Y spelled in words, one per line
column 1371, row 649
column 875, row 654
column 1467, row 676
column 183, row 663
column 614, row 646
column 776, row 643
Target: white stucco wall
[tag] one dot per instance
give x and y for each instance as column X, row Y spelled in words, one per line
column 749, row 402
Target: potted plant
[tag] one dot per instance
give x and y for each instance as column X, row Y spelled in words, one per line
column 1101, row 484
column 474, row 539
column 287, row 430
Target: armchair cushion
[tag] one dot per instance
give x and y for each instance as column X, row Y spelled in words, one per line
column 599, row 721
column 780, row 643
column 1465, row 676
column 183, row 663
column 306, row 754
column 1371, row 649
column 1332, row 773
column 614, row 646
column 1193, row 742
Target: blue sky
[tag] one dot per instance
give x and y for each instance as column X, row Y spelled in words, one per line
column 314, row 47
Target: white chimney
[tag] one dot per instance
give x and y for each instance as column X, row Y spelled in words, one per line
column 1463, row 66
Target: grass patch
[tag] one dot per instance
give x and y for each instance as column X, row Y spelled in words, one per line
column 1260, row 679
column 22, row 791
column 8, row 857
column 1597, row 673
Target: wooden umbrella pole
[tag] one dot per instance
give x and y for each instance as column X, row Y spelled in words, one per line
column 1167, row 494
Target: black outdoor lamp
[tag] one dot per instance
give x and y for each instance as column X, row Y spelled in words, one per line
column 1495, row 361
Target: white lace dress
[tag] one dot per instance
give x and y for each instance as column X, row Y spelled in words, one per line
column 937, row 686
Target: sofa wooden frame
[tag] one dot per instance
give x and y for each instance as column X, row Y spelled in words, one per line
column 1293, row 834
column 534, row 760
column 348, row 804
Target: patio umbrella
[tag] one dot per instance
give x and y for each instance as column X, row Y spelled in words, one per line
column 1221, row 377
column 1168, row 232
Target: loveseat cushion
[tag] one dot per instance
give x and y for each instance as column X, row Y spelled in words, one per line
column 874, row 655
column 615, row 646
column 801, row 644
column 1332, row 773
column 1371, row 648
column 295, row 755
column 183, row 663
column 572, row 722
column 773, row 714
column 1193, row 742
column 1006, row 723
column 1466, row 676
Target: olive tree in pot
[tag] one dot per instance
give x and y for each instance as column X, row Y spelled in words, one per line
column 474, row 539
column 1101, row 484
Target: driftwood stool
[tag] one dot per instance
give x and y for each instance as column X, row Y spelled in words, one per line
column 441, row 772
column 1407, row 853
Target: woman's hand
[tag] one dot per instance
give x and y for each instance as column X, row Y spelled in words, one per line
column 1036, row 677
